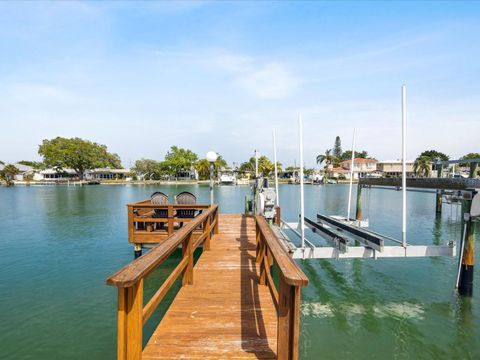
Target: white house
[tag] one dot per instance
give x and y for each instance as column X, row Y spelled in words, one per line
column 107, row 174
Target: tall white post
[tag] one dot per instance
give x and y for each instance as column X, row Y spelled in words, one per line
column 256, row 164
column 352, row 165
column 276, row 170
column 302, row 202
column 404, row 165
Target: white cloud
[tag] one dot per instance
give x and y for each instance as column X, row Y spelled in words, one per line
column 272, row 81
column 269, row 80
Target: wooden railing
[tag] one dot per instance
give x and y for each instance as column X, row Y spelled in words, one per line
column 132, row 315
column 144, row 226
column 287, row 297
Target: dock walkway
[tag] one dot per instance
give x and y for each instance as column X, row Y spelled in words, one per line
column 225, row 313
column 229, row 305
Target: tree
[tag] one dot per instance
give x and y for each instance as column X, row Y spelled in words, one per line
column 421, row 166
column 473, row 166
column 292, row 168
column 328, row 158
column 265, row 166
column 248, row 166
column 2, row 163
column 337, row 148
column 308, row 172
column 78, row 154
column 203, row 167
column 347, row 155
column 147, row 168
column 8, row 174
column 179, row 159
column 434, row 156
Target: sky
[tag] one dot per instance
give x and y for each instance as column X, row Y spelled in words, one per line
column 140, row 77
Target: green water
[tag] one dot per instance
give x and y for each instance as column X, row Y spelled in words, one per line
column 58, row 244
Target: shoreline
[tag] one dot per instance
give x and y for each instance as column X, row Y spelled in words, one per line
column 139, row 183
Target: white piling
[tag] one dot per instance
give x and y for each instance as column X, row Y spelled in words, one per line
column 302, row 202
column 256, row 164
column 404, row 165
column 351, row 175
column 276, row 170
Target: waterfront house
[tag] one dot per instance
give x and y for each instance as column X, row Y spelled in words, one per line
column 100, row 174
column 57, row 175
column 393, row 168
column 24, row 171
column 190, row 174
column 361, row 168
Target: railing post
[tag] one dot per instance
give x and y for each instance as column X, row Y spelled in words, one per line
column 260, row 247
column 278, row 216
column 208, row 229
column 131, row 226
column 170, row 219
column 130, row 322
column 263, row 267
column 215, row 228
column 187, row 278
column 288, row 331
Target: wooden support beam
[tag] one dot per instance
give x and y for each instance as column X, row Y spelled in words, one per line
column 288, row 322
column 130, row 322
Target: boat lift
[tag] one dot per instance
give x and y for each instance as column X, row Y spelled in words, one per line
column 349, row 239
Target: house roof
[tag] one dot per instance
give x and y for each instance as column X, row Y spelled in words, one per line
column 20, row 167
column 398, row 161
column 109, row 170
column 53, row 171
column 338, row 170
column 360, row 161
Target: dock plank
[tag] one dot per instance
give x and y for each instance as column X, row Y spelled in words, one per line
column 225, row 313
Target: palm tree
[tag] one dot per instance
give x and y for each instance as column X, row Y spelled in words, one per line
column 8, row 174
column 328, row 158
column 203, row 168
column 421, row 166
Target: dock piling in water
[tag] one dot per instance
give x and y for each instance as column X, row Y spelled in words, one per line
column 438, row 208
column 359, row 214
column 468, row 259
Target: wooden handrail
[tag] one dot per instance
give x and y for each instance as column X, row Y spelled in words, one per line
column 149, row 205
column 287, row 297
column 145, row 264
column 132, row 315
column 289, row 269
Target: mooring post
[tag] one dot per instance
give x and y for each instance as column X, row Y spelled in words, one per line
column 359, row 214
column 473, row 170
column 438, row 208
column 439, row 170
column 137, row 250
column 468, row 260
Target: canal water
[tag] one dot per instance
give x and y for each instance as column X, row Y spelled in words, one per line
column 58, row 244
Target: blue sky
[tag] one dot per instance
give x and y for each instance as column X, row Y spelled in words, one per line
column 140, row 77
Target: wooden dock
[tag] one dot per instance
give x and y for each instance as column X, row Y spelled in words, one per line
column 229, row 306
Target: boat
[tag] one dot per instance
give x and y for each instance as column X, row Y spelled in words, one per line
column 228, row 177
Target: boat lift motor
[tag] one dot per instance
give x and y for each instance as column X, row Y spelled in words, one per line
column 265, row 199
